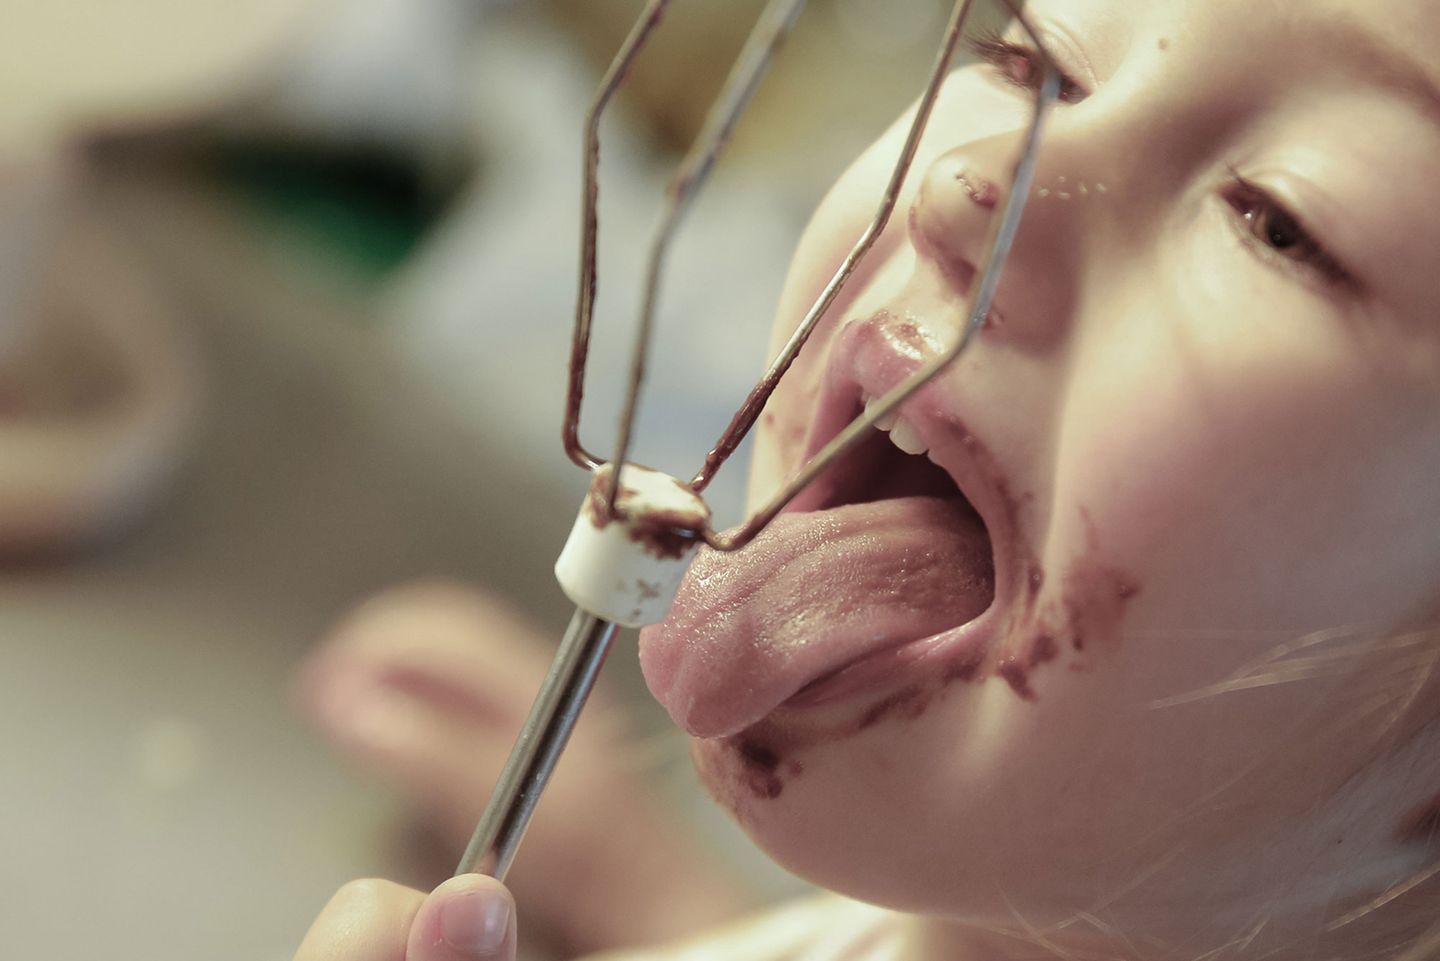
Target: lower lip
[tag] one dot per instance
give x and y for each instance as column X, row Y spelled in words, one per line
column 954, row 655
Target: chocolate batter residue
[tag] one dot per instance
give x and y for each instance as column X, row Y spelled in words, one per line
column 907, row 702
column 759, row 765
column 596, row 507
column 761, row 768
column 664, row 534
column 1016, row 668
column 1039, row 629
column 739, row 426
column 1093, row 596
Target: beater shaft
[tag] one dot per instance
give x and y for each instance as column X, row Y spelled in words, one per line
column 614, row 575
column 532, row 760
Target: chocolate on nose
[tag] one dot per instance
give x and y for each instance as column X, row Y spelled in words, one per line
column 984, row 192
column 951, row 217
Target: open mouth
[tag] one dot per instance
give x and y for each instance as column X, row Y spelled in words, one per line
column 894, row 462
column 893, row 472
column 881, row 574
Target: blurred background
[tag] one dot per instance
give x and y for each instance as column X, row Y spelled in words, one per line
column 285, row 293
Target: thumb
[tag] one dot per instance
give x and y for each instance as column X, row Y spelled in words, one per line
column 469, row 918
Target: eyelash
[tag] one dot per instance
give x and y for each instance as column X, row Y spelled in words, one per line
column 1262, row 220
column 1001, row 54
column 1278, row 236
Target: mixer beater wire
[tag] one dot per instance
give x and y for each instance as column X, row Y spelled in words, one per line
column 639, row 529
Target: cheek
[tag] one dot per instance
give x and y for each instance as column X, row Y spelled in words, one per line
column 885, row 793
column 836, row 226
column 1264, row 482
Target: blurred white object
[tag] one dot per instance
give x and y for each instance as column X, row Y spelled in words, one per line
column 380, row 70
column 67, row 64
column 98, row 388
column 29, row 197
column 386, row 71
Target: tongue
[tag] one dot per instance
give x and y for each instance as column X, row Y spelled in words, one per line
column 815, row 592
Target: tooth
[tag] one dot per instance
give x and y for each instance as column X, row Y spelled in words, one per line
column 886, row 422
column 907, row 439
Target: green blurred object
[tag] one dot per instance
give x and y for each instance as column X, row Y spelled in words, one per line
column 363, row 210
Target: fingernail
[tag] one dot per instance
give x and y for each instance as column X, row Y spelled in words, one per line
column 475, row 922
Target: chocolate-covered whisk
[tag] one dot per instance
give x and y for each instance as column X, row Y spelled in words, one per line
column 638, row 529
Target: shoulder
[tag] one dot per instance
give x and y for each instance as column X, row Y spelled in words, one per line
column 825, row 928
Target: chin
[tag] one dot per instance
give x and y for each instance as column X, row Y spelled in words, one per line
column 869, row 810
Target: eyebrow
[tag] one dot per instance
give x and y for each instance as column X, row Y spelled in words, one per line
column 1381, row 61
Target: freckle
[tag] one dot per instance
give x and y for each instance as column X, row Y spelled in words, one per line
column 1164, row 43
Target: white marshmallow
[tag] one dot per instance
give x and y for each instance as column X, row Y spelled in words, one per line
column 628, row 571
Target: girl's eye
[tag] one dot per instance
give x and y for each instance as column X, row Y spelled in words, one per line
column 1278, row 234
column 1020, row 66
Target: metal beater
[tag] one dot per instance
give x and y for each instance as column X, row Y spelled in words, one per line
column 638, row 529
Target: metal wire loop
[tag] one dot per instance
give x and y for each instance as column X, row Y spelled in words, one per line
column 773, row 26
column 694, row 170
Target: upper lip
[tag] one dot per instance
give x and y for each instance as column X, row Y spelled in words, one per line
column 868, row 361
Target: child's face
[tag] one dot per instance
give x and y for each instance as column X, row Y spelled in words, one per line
column 1203, row 426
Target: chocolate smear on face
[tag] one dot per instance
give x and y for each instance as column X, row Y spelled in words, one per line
column 1091, row 603
column 909, row 702
column 760, row 765
column 1084, row 603
column 1016, row 669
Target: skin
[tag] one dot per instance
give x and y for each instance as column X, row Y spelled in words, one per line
column 1157, row 360
column 425, row 687
column 1231, row 767
column 464, row 919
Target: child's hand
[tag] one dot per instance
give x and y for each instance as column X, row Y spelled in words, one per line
column 464, row 919
column 425, row 688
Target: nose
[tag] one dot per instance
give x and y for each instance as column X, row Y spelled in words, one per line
column 961, row 195
column 958, row 198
